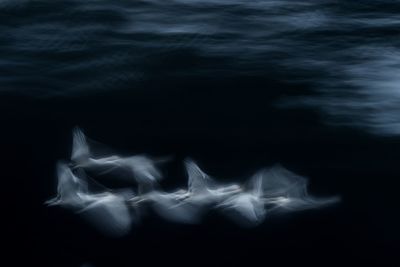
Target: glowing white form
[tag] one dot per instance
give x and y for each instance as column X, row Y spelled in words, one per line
column 268, row 191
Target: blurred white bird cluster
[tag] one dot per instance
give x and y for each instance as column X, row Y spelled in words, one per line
column 115, row 211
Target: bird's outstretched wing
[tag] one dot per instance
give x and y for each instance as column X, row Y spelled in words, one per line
column 144, row 168
column 290, row 190
column 109, row 213
column 68, row 188
column 255, row 185
column 243, row 209
column 80, row 148
column 280, row 182
column 197, row 179
column 173, row 209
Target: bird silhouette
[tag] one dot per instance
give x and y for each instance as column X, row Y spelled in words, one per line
column 139, row 168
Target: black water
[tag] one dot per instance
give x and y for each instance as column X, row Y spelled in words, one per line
column 236, row 85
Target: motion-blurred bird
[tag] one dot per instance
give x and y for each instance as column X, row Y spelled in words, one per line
column 287, row 191
column 202, row 189
column 107, row 211
column 139, row 168
column 247, row 206
column 171, row 206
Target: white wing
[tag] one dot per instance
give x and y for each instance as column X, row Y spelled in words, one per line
column 68, row 188
column 109, row 213
column 80, row 148
column 169, row 207
column 290, row 190
column 244, row 209
column 144, row 168
column 280, row 182
column 197, row 179
column 256, row 185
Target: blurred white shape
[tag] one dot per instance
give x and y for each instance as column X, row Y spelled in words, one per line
column 203, row 189
column 172, row 207
column 247, row 207
column 363, row 92
column 139, row 168
column 69, row 189
column 286, row 190
column 107, row 211
column 188, row 206
column 113, row 212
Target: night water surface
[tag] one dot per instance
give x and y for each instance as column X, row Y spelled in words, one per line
column 236, row 85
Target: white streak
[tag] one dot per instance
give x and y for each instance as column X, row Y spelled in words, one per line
column 106, row 211
column 139, row 169
column 113, row 212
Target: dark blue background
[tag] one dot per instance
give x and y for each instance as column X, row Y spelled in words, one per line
column 171, row 95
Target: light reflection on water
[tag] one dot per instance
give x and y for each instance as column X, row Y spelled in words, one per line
column 346, row 53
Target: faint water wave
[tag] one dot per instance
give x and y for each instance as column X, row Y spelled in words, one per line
column 345, row 52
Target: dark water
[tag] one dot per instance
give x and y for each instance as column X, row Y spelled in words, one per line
column 237, row 85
